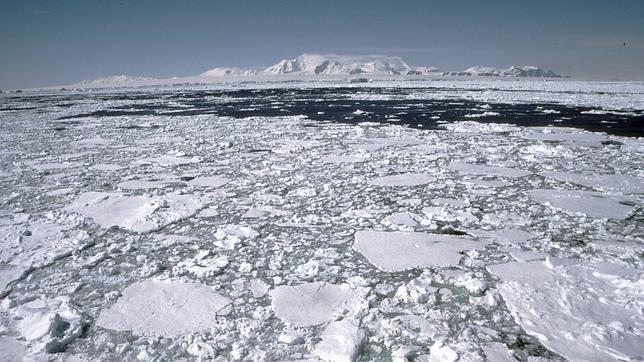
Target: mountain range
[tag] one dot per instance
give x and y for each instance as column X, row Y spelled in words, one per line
column 330, row 64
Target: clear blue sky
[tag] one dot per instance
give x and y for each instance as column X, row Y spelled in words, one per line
column 63, row 41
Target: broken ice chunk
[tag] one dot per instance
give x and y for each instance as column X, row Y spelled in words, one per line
column 439, row 352
column 593, row 204
column 164, row 308
column 497, row 352
column 309, row 304
column 341, row 341
column 258, row 288
column 50, row 324
column 398, row 251
column 405, row 179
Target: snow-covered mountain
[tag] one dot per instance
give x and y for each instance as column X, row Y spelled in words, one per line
column 513, row 71
column 112, row 81
column 320, row 64
column 228, row 72
column 344, row 64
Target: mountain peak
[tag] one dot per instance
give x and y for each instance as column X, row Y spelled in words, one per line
column 342, row 64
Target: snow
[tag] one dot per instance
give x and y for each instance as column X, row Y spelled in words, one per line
column 309, row 304
column 228, row 72
column 164, row 308
column 513, row 71
column 343, row 64
column 398, row 251
column 574, row 312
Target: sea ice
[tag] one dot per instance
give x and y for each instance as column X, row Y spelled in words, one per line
column 573, row 310
column 135, row 213
column 51, row 324
column 469, row 168
column 405, row 179
column 12, row 349
column 341, row 341
column 309, row 304
column 209, row 181
column 398, row 251
column 605, row 182
column 593, row 204
column 165, row 308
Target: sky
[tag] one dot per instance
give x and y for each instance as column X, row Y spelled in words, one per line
column 57, row 42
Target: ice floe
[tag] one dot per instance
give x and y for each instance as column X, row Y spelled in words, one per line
column 165, row 308
column 575, row 311
column 473, row 169
column 398, row 251
column 593, row 204
column 605, row 182
column 405, row 179
column 135, row 213
column 310, row 304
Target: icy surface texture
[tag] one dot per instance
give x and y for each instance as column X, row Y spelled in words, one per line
column 286, row 222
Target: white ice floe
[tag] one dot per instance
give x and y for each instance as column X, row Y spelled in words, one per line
column 343, row 158
column 106, row 167
column 209, row 181
column 398, row 251
column 552, row 134
column 165, row 308
column 310, row 304
column 55, row 166
column 169, row 160
column 593, row 204
column 484, row 114
column 341, row 341
column 469, row 168
column 135, row 213
column 402, row 218
column 583, row 312
column 256, row 213
column 404, row 179
column 141, row 184
column 605, row 182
